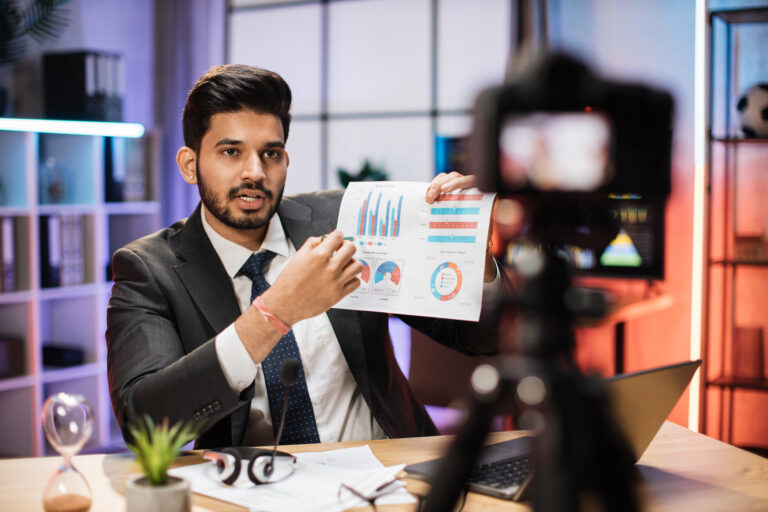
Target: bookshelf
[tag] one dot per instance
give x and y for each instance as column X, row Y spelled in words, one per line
column 735, row 365
column 97, row 182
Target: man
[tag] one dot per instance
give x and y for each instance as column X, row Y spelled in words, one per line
column 197, row 309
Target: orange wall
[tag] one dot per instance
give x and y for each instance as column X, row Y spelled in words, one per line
column 615, row 38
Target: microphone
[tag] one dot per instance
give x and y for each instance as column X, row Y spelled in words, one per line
column 289, row 372
column 261, row 464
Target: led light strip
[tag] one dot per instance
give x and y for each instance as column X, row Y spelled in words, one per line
column 699, row 194
column 131, row 130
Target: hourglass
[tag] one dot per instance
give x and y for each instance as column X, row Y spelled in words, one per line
column 67, row 422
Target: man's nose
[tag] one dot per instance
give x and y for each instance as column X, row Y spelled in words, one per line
column 253, row 168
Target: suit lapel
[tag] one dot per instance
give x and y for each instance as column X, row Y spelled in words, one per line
column 200, row 270
column 299, row 224
column 203, row 275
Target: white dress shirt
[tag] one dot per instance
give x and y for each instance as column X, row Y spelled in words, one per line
column 341, row 412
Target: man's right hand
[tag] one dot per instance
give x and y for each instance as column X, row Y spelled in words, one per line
column 321, row 273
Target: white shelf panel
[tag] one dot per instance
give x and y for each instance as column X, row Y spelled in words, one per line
column 74, row 372
column 132, row 208
column 16, row 297
column 15, row 211
column 66, row 292
column 23, row 381
column 67, row 209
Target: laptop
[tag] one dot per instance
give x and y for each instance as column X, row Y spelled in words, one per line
column 641, row 402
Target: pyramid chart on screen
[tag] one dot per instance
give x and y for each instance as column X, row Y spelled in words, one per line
column 621, row 252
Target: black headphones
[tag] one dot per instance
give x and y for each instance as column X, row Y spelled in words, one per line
column 263, row 467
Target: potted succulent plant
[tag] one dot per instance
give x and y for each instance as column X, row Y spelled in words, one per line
column 156, row 447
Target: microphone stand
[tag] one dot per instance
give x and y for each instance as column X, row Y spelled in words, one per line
column 289, row 372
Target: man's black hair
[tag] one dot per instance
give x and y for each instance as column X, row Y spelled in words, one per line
column 234, row 88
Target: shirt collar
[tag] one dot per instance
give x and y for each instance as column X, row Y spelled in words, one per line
column 233, row 255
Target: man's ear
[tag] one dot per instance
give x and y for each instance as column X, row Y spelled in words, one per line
column 186, row 159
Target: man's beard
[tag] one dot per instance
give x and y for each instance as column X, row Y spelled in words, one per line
column 222, row 213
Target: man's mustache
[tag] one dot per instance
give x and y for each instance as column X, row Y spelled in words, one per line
column 235, row 191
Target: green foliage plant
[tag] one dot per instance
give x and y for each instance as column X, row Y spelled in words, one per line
column 367, row 173
column 157, row 445
column 40, row 20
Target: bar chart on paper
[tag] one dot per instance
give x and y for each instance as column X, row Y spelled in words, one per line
column 418, row 258
column 455, row 219
column 380, row 218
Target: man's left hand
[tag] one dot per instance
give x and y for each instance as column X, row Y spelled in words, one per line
column 445, row 183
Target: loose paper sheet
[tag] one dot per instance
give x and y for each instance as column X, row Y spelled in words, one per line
column 314, row 486
column 419, row 258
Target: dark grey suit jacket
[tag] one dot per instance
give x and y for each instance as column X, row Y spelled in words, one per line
column 171, row 298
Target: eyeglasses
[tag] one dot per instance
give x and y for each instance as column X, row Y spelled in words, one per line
column 347, row 493
column 261, row 469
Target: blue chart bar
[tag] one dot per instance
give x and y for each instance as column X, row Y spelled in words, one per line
column 397, row 222
column 455, row 211
column 376, row 220
column 387, row 224
column 452, row 239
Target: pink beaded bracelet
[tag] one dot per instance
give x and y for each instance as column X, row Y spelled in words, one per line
column 278, row 324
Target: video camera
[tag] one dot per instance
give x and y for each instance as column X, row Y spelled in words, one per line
column 562, row 132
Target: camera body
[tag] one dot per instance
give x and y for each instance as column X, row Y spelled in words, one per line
column 560, row 132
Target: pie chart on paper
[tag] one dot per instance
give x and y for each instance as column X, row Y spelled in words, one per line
column 365, row 275
column 386, row 280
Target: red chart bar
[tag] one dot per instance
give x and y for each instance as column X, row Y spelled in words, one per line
column 460, row 197
column 453, row 225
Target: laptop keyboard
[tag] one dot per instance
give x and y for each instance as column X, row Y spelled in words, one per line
column 505, row 476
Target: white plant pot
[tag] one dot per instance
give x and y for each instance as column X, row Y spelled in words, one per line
column 141, row 496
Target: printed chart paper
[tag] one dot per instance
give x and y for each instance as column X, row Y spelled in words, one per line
column 418, row 258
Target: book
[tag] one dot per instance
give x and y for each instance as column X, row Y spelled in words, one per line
column 50, row 251
column 83, row 85
column 60, row 355
column 136, row 154
column 7, row 255
column 114, row 169
column 125, row 164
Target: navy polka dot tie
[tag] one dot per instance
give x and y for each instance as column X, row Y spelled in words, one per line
column 300, row 424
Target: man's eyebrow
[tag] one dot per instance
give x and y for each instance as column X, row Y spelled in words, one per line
column 234, row 142
column 229, row 142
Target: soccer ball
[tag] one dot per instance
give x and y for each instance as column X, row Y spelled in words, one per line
column 752, row 109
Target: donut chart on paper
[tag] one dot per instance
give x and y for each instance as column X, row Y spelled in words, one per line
column 386, row 279
column 446, row 281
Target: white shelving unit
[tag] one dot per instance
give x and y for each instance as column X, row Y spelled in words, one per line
column 71, row 315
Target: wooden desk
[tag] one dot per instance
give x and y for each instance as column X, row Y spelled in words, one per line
column 681, row 470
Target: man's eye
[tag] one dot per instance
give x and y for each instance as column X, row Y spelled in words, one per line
column 272, row 154
column 230, row 151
